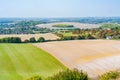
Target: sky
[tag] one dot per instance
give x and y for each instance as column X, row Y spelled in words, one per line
column 59, row 8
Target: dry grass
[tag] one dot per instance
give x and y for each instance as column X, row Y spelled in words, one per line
column 93, row 56
column 48, row 36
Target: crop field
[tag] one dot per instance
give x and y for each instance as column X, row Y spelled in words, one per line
column 75, row 24
column 68, row 34
column 21, row 61
column 92, row 56
column 47, row 36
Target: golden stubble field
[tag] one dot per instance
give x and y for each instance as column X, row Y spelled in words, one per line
column 76, row 25
column 47, row 36
column 92, row 56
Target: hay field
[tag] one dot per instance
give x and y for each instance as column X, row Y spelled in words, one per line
column 76, row 25
column 47, row 36
column 21, row 61
column 93, row 56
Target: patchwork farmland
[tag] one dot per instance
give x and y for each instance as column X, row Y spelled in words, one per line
column 92, row 56
column 21, row 61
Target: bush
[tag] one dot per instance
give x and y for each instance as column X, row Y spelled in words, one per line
column 89, row 36
column 41, row 39
column 67, row 38
column 112, row 75
column 69, row 75
column 32, row 39
column 26, row 41
column 80, row 37
column 10, row 40
column 35, row 78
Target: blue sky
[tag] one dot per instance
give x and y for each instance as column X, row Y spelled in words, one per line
column 59, row 8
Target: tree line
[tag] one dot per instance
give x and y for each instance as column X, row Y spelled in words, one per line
column 18, row 40
column 10, row 40
column 97, row 33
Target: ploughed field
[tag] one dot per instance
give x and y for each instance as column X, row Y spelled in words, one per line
column 21, row 61
column 47, row 36
column 92, row 56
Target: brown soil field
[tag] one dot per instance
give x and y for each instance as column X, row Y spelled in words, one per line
column 47, row 36
column 92, row 56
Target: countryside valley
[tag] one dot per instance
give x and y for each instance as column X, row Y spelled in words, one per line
column 60, row 48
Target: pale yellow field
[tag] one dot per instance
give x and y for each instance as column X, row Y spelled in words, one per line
column 93, row 56
column 47, row 36
column 76, row 25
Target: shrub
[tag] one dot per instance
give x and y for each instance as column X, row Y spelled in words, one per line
column 112, row 75
column 80, row 37
column 89, row 36
column 35, row 78
column 0, row 40
column 32, row 39
column 67, row 38
column 26, row 41
column 10, row 40
column 41, row 39
column 69, row 75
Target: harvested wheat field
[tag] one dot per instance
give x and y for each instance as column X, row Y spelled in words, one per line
column 47, row 36
column 76, row 25
column 92, row 56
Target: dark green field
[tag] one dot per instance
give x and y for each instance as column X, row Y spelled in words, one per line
column 21, row 61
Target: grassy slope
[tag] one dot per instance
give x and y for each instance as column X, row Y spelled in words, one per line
column 71, row 34
column 18, row 61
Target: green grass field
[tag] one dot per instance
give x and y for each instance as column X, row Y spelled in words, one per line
column 71, row 34
column 21, row 61
column 68, row 34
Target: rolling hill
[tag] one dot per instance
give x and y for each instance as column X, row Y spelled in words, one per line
column 92, row 56
column 20, row 61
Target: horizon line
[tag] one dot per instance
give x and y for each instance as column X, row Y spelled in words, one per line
column 67, row 17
